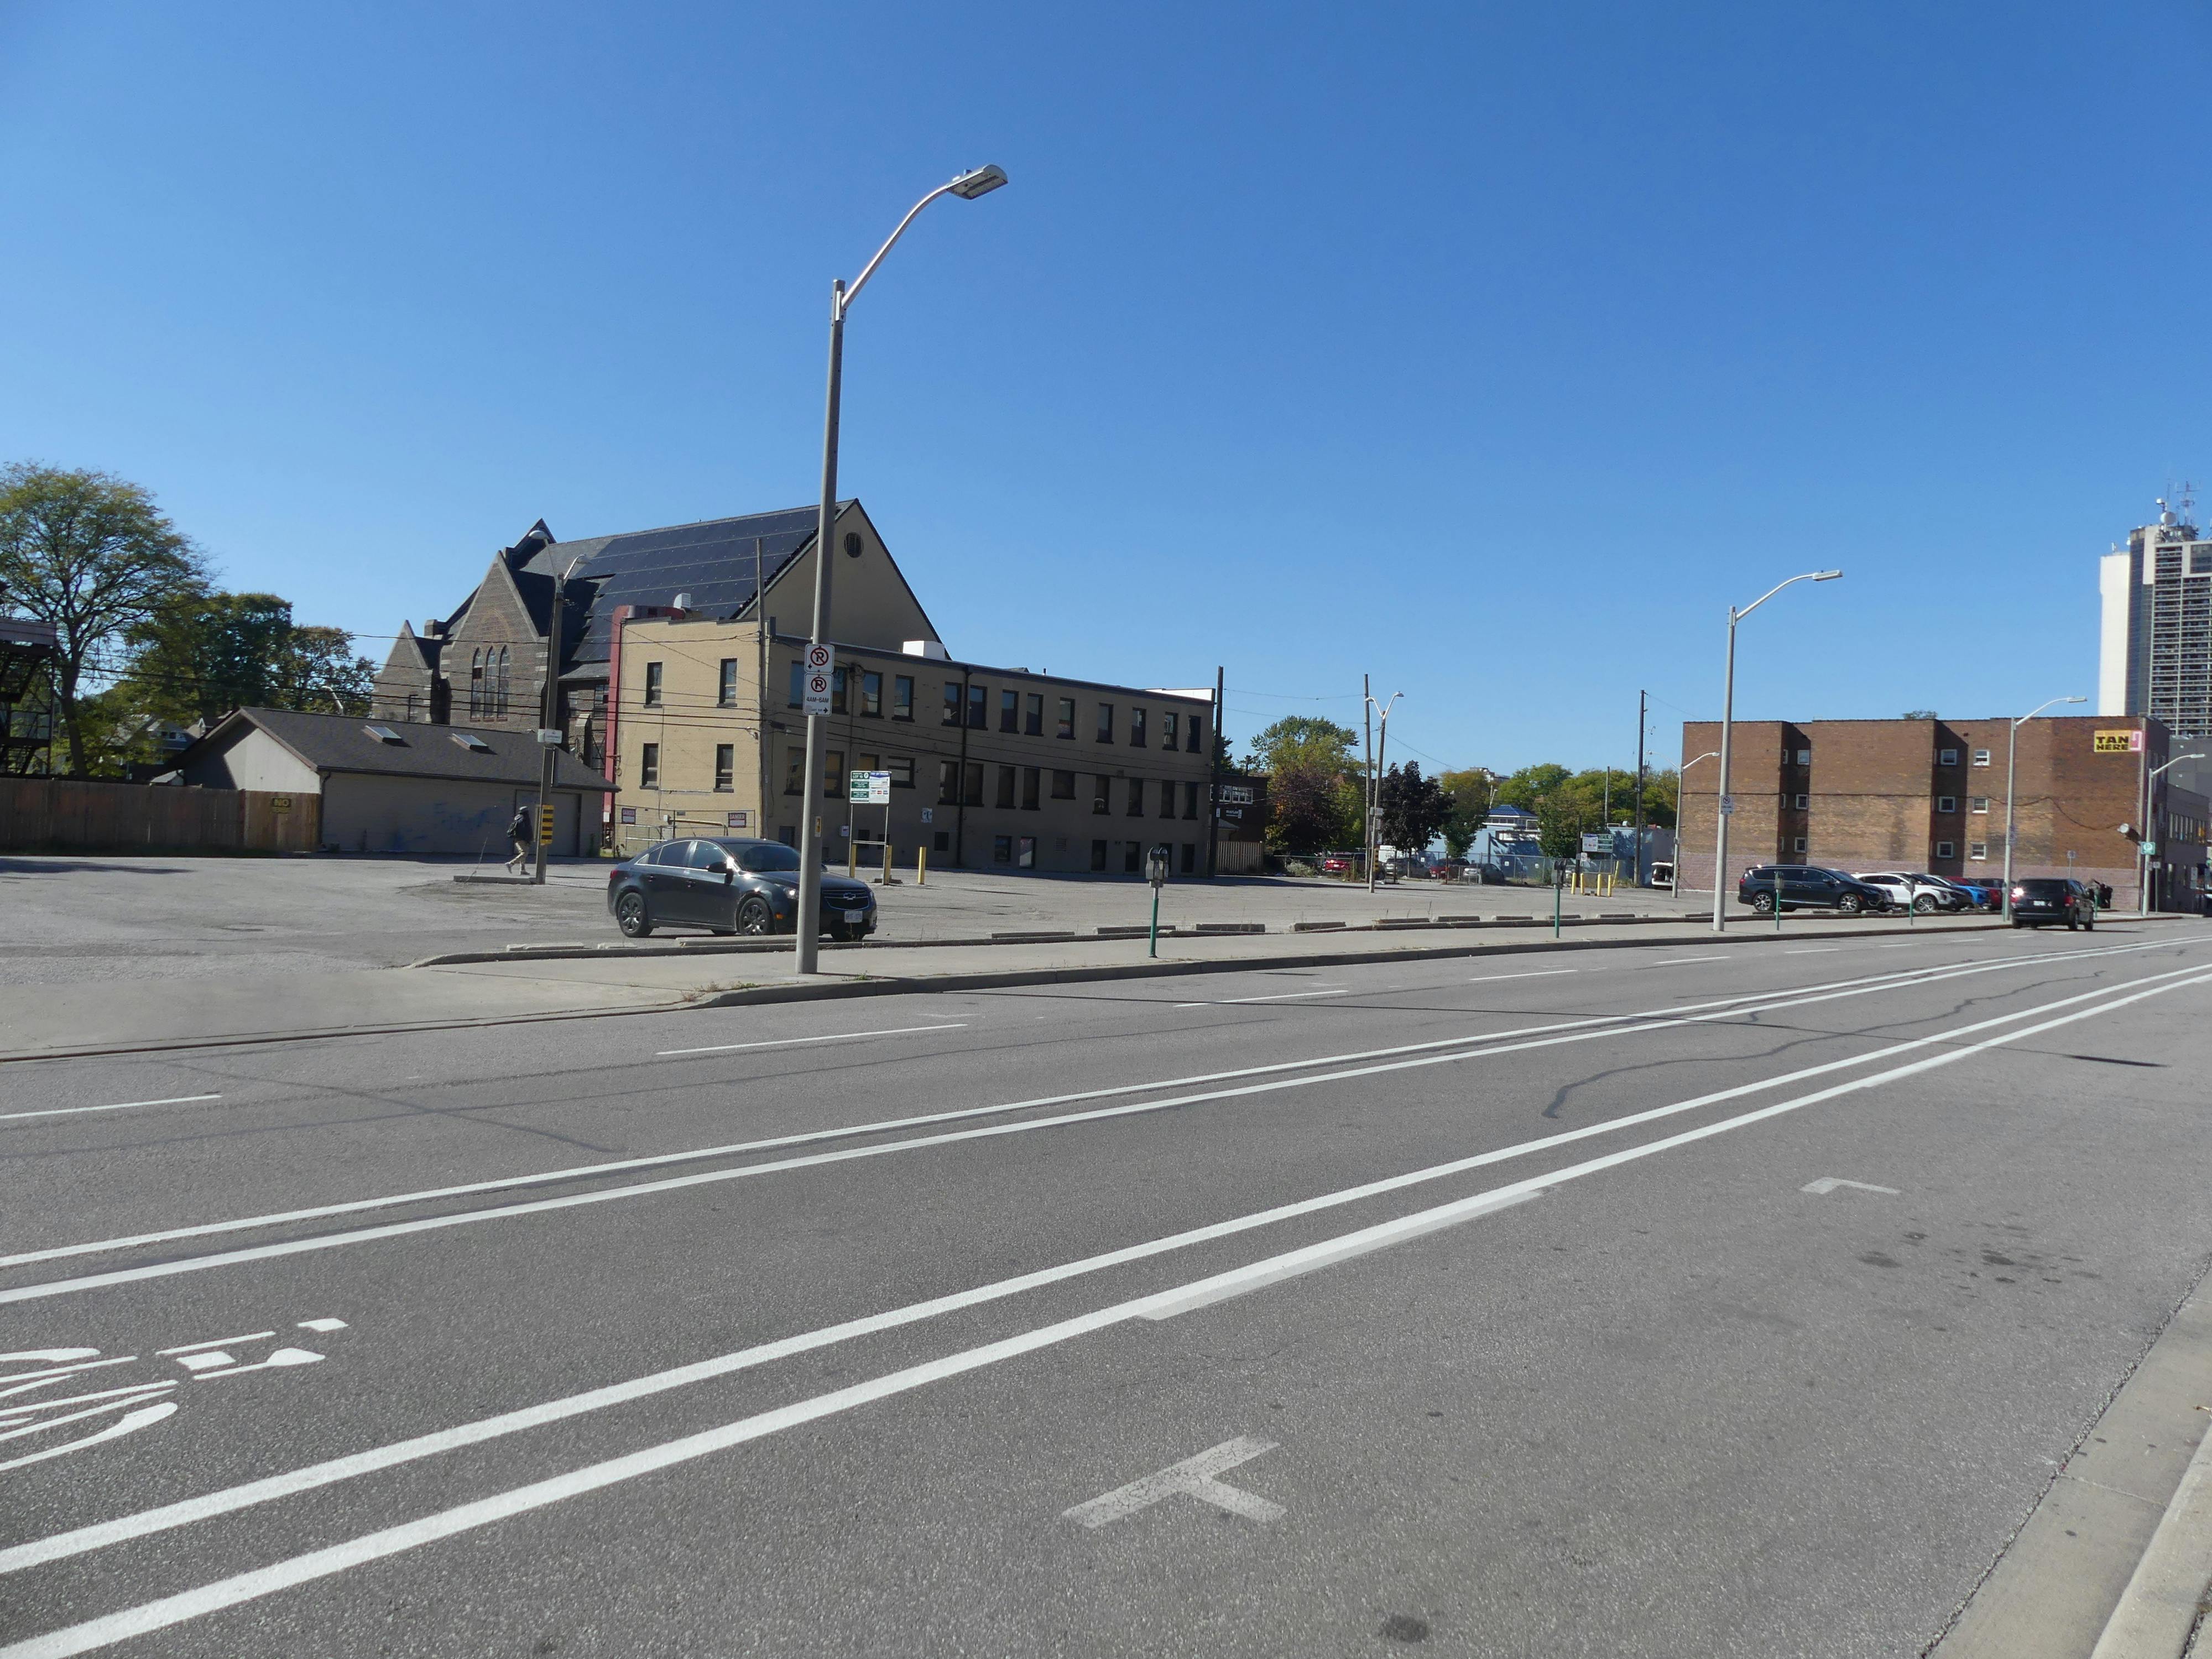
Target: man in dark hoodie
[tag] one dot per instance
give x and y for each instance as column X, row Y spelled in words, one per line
column 518, row 831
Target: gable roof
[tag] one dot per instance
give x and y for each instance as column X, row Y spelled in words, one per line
column 342, row 742
column 712, row 561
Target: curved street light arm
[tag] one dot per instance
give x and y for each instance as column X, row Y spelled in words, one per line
column 2176, row 761
column 2040, row 707
column 1807, row 576
column 844, row 300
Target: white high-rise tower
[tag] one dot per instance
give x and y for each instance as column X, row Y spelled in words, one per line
column 2154, row 647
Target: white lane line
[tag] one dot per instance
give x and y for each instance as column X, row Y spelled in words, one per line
column 100, row 1535
column 787, row 1042
column 1899, row 944
column 1827, row 1184
column 1679, row 962
column 1814, row 950
column 119, row 1106
column 389, row 1541
column 1576, row 1030
column 217, row 1342
column 1533, row 973
column 1280, row 996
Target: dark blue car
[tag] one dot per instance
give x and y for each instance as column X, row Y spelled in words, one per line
column 729, row 885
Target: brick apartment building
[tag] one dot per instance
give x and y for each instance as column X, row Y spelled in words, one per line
column 1929, row 794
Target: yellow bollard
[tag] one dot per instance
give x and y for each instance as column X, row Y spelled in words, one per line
column 852, row 857
column 887, row 863
column 920, row 863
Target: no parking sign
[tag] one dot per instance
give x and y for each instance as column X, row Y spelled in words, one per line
column 820, row 674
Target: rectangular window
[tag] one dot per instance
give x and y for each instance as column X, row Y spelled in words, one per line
column 1063, row 785
column 1803, row 801
column 1002, row 849
column 1006, row 785
column 1799, row 845
column 833, row 774
column 901, row 771
column 726, row 767
column 1190, row 857
column 1099, row 784
column 948, row 783
column 1010, row 711
column 1947, row 757
column 840, row 683
column 1197, row 726
column 1945, row 849
column 1098, row 855
column 978, row 698
column 1033, row 715
column 788, row 833
column 1190, row 800
column 727, row 693
column 1136, row 797
column 1132, row 858
column 793, row 698
column 1032, row 782
column 1947, row 803
column 974, row 796
column 1804, row 758
column 1978, row 803
column 1136, row 728
column 1978, row 850
column 794, row 771
column 902, row 697
column 648, row 767
column 943, row 842
column 1981, row 758
column 1025, row 852
column 952, row 703
column 1066, row 728
column 872, row 693
column 867, row 762
column 1167, row 798
column 1105, row 722
column 1170, row 729
column 652, row 685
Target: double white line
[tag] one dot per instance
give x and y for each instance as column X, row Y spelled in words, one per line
column 1403, row 1057
column 394, row 1541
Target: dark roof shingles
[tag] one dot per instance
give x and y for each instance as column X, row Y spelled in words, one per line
column 342, row 742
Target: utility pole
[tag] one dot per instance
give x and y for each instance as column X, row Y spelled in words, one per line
column 1640, row 718
column 1367, row 795
column 549, row 730
column 1218, row 746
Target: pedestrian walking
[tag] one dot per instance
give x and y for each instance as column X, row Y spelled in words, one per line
column 518, row 831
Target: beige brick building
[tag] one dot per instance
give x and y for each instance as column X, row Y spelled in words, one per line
column 1930, row 795
column 679, row 683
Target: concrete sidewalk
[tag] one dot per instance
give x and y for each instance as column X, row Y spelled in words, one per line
column 54, row 1021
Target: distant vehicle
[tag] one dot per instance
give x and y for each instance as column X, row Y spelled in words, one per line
column 2040, row 901
column 1339, row 864
column 1448, row 869
column 1662, row 874
column 1925, row 894
column 1988, row 894
column 1808, row 887
column 730, row 885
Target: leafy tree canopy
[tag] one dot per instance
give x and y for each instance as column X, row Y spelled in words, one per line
column 1413, row 808
column 1303, row 740
column 205, row 654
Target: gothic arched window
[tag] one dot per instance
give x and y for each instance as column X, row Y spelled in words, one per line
column 501, row 707
column 475, row 685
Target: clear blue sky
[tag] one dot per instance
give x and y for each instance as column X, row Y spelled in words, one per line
column 1493, row 349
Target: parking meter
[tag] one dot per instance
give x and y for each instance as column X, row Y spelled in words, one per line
column 1156, row 867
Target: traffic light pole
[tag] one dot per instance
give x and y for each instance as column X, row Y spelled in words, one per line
column 549, row 723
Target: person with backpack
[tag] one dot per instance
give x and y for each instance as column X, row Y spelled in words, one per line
column 518, row 831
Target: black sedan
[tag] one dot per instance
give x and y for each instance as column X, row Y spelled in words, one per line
column 2042, row 900
column 730, row 885
column 1806, row 887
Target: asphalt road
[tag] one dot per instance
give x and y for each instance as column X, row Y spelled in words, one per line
column 1488, row 1309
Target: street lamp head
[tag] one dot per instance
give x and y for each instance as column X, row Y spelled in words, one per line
column 1825, row 575
column 980, row 182
column 2073, row 699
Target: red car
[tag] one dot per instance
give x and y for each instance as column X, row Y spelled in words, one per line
column 1338, row 864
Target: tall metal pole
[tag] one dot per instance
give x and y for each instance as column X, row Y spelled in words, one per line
column 550, row 754
column 1640, row 717
column 809, row 825
column 1367, row 795
column 2012, row 752
column 1721, row 802
column 1217, row 747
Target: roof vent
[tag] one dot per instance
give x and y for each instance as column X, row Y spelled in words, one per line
column 434, row 629
column 470, row 741
column 384, row 734
column 929, row 648
column 683, row 601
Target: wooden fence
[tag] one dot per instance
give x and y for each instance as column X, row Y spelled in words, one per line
column 59, row 815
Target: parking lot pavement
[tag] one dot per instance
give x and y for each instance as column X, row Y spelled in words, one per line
column 93, row 918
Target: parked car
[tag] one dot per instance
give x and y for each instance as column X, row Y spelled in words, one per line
column 1448, row 869
column 1339, row 864
column 1988, row 893
column 1926, row 894
column 730, row 885
column 1806, row 887
column 1662, row 873
column 2039, row 900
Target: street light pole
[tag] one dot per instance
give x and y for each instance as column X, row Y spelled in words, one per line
column 549, row 730
column 977, row 182
column 1682, row 778
column 2143, row 836
column 2012, row 741
column 1727, row 719
column 1374, row 783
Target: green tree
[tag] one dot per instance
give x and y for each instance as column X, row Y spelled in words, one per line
column 1559, row 827
column 1530, row 784
column 1413, row 808
column 208, row 654
column 91, row 555
column 1662, row 796
column 1311, row 808
column 1303, row 740
column 1470, row 793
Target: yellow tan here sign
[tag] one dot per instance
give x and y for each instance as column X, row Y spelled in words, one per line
column 2120, row 743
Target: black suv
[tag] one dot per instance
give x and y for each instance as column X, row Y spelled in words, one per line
column 1806, row 887
column 730, row 885
column 2039, row 900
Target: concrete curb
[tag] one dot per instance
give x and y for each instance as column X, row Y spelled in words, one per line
column 2167, row 1599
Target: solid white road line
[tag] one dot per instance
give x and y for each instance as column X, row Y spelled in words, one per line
column 389, row 1541
column 1536, row 973
column 1678, row 962
column 119, row 1106
column 1280, row 996
column 186, row 1511
column 787, row 1042
column 1426, row 1054
column 1814, row 950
